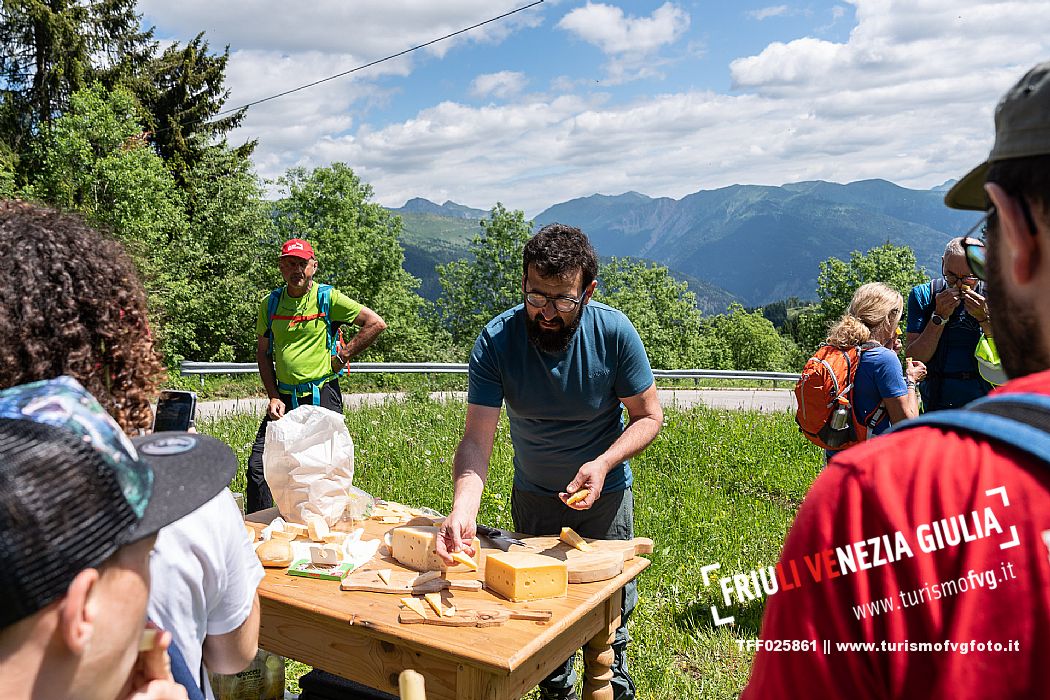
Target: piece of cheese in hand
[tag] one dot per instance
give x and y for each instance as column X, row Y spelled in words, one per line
column 578, row 496
column 520, row 576
column 569, row 537
column 414, row 546
column 466, row 561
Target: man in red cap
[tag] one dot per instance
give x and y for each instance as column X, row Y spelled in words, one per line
column 300, row 349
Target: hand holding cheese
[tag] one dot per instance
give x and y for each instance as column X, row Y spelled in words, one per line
column 457, row 534
column 589, row 481
column 417, row 547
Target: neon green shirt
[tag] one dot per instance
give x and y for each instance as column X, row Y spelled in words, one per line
column 300, row 348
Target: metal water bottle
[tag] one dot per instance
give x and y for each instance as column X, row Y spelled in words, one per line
column 840, row 417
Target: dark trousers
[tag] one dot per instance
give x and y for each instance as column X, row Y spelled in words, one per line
column 257, row 493
column 610, row 518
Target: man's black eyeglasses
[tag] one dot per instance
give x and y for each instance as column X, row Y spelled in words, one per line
column 563, row 304
column 974, row 247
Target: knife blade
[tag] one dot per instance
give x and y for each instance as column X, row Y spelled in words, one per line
column 496, row 534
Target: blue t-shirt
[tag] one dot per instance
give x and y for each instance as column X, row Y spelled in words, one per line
column 879, row 376
column 564, row 408
column 954, row 354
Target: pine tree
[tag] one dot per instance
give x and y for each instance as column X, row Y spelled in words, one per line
column 181, row 96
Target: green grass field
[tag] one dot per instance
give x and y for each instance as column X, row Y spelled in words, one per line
column 715, row 487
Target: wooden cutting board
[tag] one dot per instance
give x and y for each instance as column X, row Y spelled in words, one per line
column 401, row 582
column 604, row 561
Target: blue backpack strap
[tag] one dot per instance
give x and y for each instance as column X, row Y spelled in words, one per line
column 1019, row 420
column 271, row 311
column 324, row 306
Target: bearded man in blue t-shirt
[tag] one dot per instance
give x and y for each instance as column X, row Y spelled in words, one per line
column 565, row 367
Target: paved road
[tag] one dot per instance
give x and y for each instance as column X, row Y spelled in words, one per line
column 764, row 400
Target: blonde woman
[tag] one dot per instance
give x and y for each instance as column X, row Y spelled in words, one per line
column 883, row 394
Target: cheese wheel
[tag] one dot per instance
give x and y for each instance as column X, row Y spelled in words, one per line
column 415, row 548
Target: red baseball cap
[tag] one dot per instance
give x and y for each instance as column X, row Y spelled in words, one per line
column 298, row 248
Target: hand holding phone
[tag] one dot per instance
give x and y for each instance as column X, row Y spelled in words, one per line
column 175, row 411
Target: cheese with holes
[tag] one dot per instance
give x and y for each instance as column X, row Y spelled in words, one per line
column 414, row 546
column 520, row 576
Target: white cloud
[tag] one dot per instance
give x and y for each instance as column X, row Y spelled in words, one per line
column 631, row 43
column 500, row 85
column 907, row 97
column 606, row 27
column 767, row 12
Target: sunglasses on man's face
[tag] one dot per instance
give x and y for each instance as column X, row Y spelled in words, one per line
column 975, row 248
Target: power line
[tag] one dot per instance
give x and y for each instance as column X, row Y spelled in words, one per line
column 380, row 60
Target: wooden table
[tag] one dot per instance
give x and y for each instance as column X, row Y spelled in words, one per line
column 356, row 635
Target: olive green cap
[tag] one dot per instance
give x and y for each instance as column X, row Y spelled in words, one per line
column 1022, row 130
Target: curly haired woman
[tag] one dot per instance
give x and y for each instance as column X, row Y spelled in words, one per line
column 74, row 304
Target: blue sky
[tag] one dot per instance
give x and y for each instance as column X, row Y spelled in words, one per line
column 572, row 98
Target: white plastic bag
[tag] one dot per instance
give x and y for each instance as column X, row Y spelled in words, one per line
column 309, row 464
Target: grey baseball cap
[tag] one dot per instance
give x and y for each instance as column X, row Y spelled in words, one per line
column 1022, row 130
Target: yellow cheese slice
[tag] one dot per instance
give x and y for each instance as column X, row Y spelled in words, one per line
column 415, row 605
column 578, row 496
column 569, row 537
column 384, row 576
column 520, row 576
column 465, row 560
column 435, row 601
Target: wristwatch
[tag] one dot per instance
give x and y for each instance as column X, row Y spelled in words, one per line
column 938, row 320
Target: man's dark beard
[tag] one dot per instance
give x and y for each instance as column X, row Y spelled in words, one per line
column 552, row 341
column 1017, row 334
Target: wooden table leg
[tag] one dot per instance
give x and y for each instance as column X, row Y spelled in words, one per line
column 598, row 654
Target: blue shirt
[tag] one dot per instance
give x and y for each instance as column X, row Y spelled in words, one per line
column 879, row 376
column 954, row 353
column 564, row 408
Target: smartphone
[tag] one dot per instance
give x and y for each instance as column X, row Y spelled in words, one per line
column 175, row 411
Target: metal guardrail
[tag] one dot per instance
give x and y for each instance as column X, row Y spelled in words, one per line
column 203, row 368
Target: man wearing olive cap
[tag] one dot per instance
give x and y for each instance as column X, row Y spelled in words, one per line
column 963, row 609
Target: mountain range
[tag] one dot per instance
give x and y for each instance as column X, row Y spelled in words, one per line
column 749, row 243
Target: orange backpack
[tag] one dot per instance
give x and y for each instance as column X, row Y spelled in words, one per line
column 825, row 387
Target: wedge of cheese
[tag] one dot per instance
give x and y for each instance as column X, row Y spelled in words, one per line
column 520, row 576
column 569, row 537
column 414, row 546
column 414, row 604
column 434, row 599
column 461, row 558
